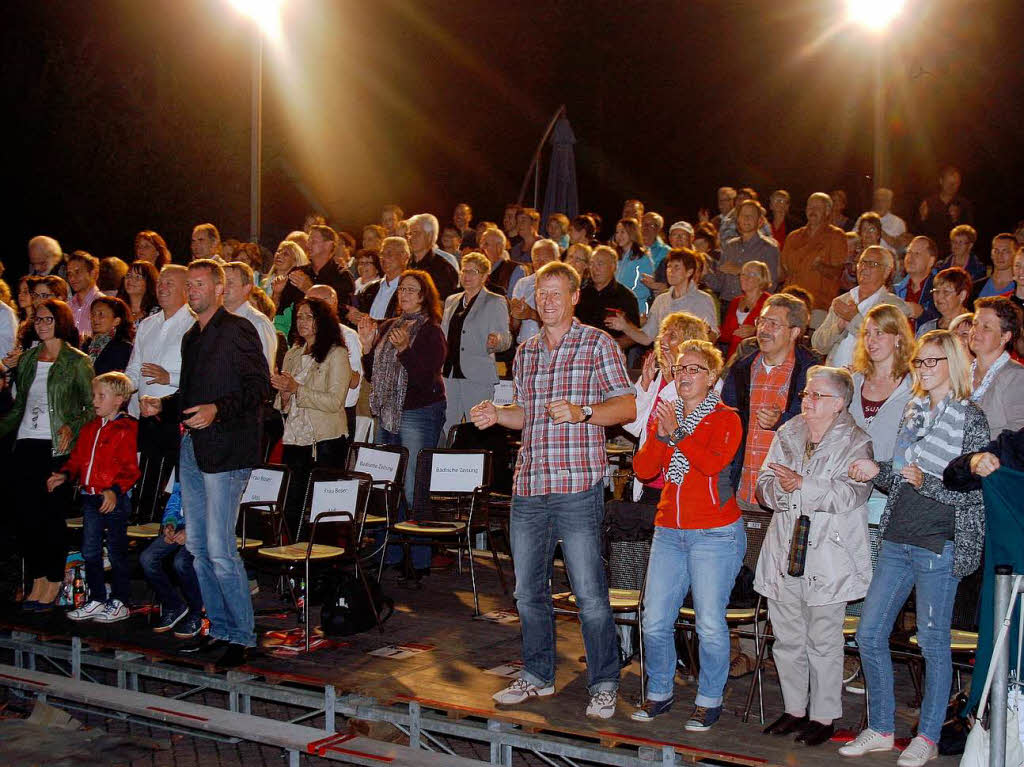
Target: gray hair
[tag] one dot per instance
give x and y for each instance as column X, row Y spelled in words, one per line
column 838, row 378
column 399, row 241
column 824, row 198
column 606, row 250
column 48, row 245
column 796, row 310
column 547, row 243
column 429, row 223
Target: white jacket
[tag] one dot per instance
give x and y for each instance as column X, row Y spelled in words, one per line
column 645, row 399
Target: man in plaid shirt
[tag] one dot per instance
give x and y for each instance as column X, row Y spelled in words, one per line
column 570, row 382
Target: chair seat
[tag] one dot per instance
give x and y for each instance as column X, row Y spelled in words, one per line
column 620, row 599
column 296, row 552
column 850, row 624
column 373, row 519
column 250, row 543
column 148, row 530
column 75, row 523
column 428, row 527
column 731, row 613
column 958, row 640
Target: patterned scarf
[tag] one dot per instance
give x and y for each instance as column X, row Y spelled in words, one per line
column 930, row 438
column 96, row 346
column 679, row 465
column 986, row 381
column 390, row 378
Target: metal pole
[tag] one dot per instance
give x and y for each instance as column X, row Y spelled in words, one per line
column 879, row 160
column 1000, row 670
column 256, row 139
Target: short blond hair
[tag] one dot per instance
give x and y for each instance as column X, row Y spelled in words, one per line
column 119, row 384
column 712, row 357
column 690, row 326
column 479, row 260
column 959, row 365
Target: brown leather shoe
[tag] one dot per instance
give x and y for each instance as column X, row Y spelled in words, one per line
column 815, row 733
column 786, row 725
column 741, row 665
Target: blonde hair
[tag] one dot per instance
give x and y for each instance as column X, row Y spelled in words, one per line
column 119, row 384
column 690, row 327
column 479, row 260
column 706, row 349
column 956, row 358
column 891, row 320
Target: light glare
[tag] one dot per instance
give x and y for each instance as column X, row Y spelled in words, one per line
column 873, row 14
column 266, row 14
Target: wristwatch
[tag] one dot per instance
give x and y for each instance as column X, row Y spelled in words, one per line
column 588, row 413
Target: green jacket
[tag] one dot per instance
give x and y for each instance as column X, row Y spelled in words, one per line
column 68, row 392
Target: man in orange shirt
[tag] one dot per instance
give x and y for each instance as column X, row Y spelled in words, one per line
column 813, row 256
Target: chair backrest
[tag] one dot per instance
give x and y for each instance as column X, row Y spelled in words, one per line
column 627, row 530
column 967, row 602
column 756, row 524
column 267, row 486
column 335, row 497
column 449, row 481
column 501, row 442
column 150, row 493
column 386, row 464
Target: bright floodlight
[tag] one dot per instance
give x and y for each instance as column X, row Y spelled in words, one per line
column 266, row 14
column 873, row 14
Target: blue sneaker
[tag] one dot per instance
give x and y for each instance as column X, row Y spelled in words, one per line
column 651, row 709
column 190, row 627
column 169, row 619
column 702, row 719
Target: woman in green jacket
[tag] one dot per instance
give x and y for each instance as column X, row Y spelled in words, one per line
column 53, row 402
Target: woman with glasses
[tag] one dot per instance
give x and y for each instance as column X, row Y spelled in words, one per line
column 402, row 359
column 815, row 557
column 931, row 538
column 368, row 268
column 53, row 402
column 475, row 324
column 950, row 290
column 699, row 542
column 138, row 290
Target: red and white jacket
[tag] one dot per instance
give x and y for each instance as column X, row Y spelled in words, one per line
column 105, row 456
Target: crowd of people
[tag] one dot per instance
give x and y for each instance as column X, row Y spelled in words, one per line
column 825, row 368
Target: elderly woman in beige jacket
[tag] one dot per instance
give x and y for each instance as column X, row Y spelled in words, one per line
column 311, row 389
column 804, row 480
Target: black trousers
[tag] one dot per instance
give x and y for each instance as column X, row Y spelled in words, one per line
column 39, row 515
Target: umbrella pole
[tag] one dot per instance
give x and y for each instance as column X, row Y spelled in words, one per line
column 535, row 162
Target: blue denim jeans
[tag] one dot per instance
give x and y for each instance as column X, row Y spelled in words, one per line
column 112, row 525
column 538, row 521
column 210, row 505
column 153, row 561
column 706, row 562
column 420, row 428
column 900, row 568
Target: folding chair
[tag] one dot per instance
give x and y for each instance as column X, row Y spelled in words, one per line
column 336, row 499
column 156, row 481
column 450, row 487
column 387, row 465
column 265, row 494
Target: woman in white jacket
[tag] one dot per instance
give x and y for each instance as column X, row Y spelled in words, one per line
column 655, row 384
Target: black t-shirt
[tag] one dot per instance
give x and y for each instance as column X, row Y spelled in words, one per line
column 594, row 304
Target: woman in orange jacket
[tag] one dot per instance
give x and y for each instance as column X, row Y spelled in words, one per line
column 699, row 542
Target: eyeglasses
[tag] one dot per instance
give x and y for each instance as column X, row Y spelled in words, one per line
column 815, row 395
column 870, row 264
column 408, row 289
column 41, row 296
column 691, row 369
column 43, row 320
column 928, row 362
column 769, row 324
column 471, row 271
column 944, row 291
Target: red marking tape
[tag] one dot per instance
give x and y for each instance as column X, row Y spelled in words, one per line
column 177, row 713
column 23, row 679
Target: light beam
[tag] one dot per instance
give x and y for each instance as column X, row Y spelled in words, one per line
column 265, row 13
column 876, row 15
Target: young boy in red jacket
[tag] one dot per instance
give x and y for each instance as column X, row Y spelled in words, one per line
column 105, row 463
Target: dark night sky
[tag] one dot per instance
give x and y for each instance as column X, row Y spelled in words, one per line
column 126, row 115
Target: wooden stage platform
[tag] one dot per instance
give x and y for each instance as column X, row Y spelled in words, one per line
column 440, row 661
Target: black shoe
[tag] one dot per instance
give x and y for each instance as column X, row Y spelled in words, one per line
column 205, row 646
column 815, row 733
column 786, row 724
column 234, row 655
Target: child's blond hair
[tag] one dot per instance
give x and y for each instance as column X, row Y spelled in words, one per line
column 119, row 384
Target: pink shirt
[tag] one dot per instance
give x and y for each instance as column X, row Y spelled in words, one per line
column 81, row 310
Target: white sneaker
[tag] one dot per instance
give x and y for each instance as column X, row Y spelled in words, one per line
column 521, row 690
column 866, row 742
column 87, row 612
column 112, row 612
column 918, row 753
column 602, row 704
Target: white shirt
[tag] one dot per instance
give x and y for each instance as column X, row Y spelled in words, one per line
column 158, row 340
column 842, row 353
column 379, row 307
column 355, row 360
column 8, row 329
column 525, row 290
column 35, row 423
column 264, row 327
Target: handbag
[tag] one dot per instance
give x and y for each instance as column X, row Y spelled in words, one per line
column 976, row 751
column 347, row 610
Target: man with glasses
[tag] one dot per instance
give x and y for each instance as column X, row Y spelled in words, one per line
column 836, row 337
column 764, row 387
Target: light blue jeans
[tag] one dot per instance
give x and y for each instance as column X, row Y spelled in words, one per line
column 538, row 521
column 706, row 562
column 900, row 568
column 210, row 504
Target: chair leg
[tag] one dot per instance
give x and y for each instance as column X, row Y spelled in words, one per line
column 305, row 606
column 369, row 595
column 640, row 631
column 497, row 564
column 383, row 553
column 757, row 679
column 472, row 573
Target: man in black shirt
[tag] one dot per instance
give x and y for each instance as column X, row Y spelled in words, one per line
column 603, row 295
column 322, row 269
column 423, row 231
column 224, row 382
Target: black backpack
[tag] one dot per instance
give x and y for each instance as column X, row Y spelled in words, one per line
column 347, row 610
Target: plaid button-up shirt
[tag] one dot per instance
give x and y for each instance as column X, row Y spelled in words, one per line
column 585, row 368
column 768, row 388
